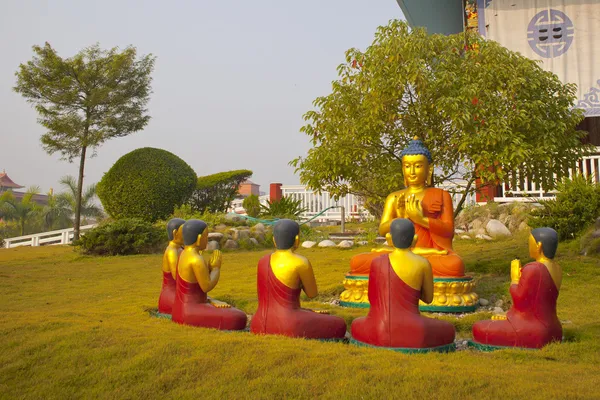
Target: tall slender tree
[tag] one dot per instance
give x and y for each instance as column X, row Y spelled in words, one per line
column 85, row 100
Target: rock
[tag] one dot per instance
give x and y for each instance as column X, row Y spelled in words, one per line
column 307, row 244
column 499, row 303
column 241, row 234
column 497, row 229
column 253, row 241
column 213, row 245
column 259, row 227
column 498, row 310
column 362, row 242
column 233, row 217
column 215, row 236
column 231, row 244
column 483, row 302
column 465, row 237
column 458, row 231
column 220, row 227
column 476, row 224
column 523, row 226
column 260, row 236
column 326, row 243
column 503, row 218
column 478, row 231
column 346, row 244
column 483, row 237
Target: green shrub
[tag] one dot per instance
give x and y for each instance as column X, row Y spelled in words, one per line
column 215, row 192
column 252, row 205
column 286, row 207
column 147, row 184
column 186, row 212
column 123, row 237
column 577, row 205
column 1, row 242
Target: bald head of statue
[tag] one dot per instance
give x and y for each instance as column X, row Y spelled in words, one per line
column 191, row 230
column 284, row 233
column 403, row 233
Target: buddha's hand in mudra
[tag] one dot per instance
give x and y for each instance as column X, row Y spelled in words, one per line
column 401, row 206
column 414, row 210
column 499, row 317
column 215, row 260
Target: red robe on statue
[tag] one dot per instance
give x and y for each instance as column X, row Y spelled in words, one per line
column 167, row 294
column 279, row 311
column 531, row 321
column 191, row 308
column 394, row 319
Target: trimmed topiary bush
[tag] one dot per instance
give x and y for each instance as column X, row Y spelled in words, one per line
column 147, row 184
column 215, row 192
column 123, row 237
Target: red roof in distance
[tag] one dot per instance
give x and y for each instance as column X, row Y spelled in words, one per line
column 6, row 182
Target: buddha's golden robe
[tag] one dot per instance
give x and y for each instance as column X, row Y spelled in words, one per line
column 437, row 207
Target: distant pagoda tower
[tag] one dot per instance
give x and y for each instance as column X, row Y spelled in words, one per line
column 7, row 184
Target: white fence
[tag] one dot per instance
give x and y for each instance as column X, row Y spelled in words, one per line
column 316, row 203
column 529, row 191
column 63, row 236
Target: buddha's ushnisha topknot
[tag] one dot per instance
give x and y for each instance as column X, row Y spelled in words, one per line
column 416, row 147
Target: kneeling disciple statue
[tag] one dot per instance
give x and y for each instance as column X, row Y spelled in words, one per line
column 531, row 322
column 195, row 278
column 169, row 266
column 397, row 281
column 281, row 278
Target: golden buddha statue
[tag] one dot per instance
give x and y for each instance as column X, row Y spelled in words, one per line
column 431, row 211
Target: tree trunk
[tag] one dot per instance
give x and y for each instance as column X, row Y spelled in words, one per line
column 78, row 197
column 460, row 204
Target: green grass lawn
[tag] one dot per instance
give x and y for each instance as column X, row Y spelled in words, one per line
column 74, row 326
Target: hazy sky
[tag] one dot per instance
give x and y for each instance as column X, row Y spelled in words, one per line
column 231, row 83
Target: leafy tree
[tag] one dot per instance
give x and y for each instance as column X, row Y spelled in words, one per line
column 286, row 207
column 483, row 111
column 61, row 207
column 215, row 192
column 252, row 205
column 85, row 100
column 146, row 183
column 21, row 211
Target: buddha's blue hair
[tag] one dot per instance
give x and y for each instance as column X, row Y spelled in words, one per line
column 416, row 147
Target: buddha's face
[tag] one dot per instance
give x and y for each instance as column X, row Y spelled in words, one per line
column 415, row 169
column 535, row 248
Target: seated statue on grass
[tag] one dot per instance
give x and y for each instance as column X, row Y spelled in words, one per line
column 431, row 211
column 195, row 278
column 397, row 281
column 281, row 278
column 531, row 322
column 169, row 265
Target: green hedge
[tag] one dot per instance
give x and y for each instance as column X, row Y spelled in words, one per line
column 215, row 192
column 147, row 184
column 123, row 237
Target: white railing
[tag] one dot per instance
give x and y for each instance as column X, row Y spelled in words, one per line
column 527, row 191
column 316, row 203
column 63, row 236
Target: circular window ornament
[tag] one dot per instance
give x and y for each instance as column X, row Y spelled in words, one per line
column 550, row 33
